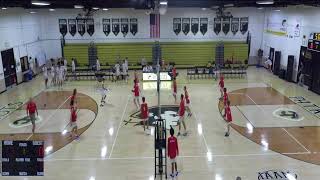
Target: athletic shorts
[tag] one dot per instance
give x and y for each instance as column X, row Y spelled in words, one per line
column 33, row 118
column 174, row 94
column 181, row 118
column 187, row 104
column 73, row 125
column 144, row 120
column 173, row 160
column 137, row 98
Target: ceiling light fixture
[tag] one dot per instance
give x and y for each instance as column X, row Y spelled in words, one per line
column 265, row 2
column 203, row 9
column 163, row 2
column 78, row 6
column 95, row 8
column 260, row 8
column 105, row 9
column 277, row 10
column 52, row 10
column 33, row 12
column 4, row 8
column 228, row 5
column 40, row 3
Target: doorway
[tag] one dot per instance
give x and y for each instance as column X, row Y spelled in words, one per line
column 9, row 67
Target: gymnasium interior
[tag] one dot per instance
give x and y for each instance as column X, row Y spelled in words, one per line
column 87, row 65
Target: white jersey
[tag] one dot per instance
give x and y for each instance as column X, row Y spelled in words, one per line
column 117, row 66
column 45, row 72
column 98, row 65
column 73, row 66
column 61, row 72
column 124, row 69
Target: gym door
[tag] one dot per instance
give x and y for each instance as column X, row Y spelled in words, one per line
column 9, row 67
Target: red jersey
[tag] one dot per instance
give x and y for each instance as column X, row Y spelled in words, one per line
column 136, row 90
column 173, row 149
column 174, row 86
column 73, row 115
column 31, row 107
column 225, row 97
column 182, row 108
column 144, row 111
column 174, row 72
column 221, row 83
column 186, row 94
column 228, row 114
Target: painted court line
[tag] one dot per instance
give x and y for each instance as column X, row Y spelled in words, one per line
column 245, row 116
column 51, row 115
column 115, row 139
column 296, row 140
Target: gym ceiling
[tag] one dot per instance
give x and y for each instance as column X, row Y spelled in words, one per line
column 147, row 4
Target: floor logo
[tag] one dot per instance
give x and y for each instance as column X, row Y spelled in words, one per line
column 23, row 122
column 288, row 114
column 169, row 113
column 277, row 175
column 9, row 108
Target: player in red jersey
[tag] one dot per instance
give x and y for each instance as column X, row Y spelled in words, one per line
column 136, row 78
column 186, row 94
column 174, row 72
column 73, row 123
column 228, row 118
column 144, row 110
column 31, row 112
column 225, row 99
column 73, row 100
column 221, row 85
column 181, row 113
column 173, row 152
column 174, row 86
column 136, row 92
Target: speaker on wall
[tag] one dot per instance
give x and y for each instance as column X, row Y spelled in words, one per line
column 276, row 64
column 290, row 68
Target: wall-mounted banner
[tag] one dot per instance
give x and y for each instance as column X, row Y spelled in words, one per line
column 115, row 26
column 185, row 25
column 244, row 24
column 235, row 25
column 106, row 26
column 63, row 27
column 72, row 26
column 226, row 25
column 176, row 25
column 124, row 26
column 217, row 25
column 81, row 23
column 194, row 25
column 203, row 25
column 90, row 26
column 277, row 175
column 134, row 26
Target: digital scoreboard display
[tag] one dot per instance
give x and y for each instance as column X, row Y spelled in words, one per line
column 22, row 158
column 314, row 43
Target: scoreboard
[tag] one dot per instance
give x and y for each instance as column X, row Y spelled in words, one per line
column 22, row 158
column 314, row 43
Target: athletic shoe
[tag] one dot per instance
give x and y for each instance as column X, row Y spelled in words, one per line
column 77, row 138
column 226, row 135
column 172, row 175
column 177, row 173
column 185, row 134
column 178, row 134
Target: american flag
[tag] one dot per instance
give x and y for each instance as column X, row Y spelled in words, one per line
column 154, row 25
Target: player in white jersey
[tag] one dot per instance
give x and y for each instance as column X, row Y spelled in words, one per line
column 45, row 75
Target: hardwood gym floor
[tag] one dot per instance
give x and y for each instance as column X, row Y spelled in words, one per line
column 112, row 146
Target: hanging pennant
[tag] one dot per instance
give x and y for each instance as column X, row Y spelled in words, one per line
column 203, row 25
column 72, row 26
column 226, row 25
column 106, row 26
column 63, row 27
column 235, row 25
column 244, row 23
column 185, row 25
column 217, row 25
column 176, row 25
column 134, row 26
column 81, row 23
column 115, row 26
column 90, row 26
column 124, row 26
column 194, row 25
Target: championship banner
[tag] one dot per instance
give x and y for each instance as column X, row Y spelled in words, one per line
column 203, row 25
column 235, row 25
column 194, row 25
column 185, row 25
column 244, row 22
column 90, row 26
column 177, row 25
column 134, row 26
column 63, row 27
column 115, row 26
column 106, row 26
column 124, row 26
column 72, row 26
column 81, row 23
column 217, row 25
column 226, row 25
